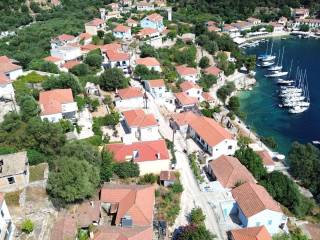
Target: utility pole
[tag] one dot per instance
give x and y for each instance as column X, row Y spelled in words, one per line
column 145, row 97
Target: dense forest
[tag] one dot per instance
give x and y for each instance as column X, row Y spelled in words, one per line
column 231, row 10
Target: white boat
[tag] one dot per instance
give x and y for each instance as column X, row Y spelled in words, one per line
column 275, row 68
column 278, row 67
column 298, row 109
column 268, row 58
column 287, row 95
column 293, row 99
column 267, row 64
column 316, row 142
column 276, row 74
column 283, row 81
column 291, row 90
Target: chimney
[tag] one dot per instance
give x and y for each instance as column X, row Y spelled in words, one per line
column 158, row 155
column 135, row 154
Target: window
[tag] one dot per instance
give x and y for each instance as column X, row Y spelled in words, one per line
column 2, row 214
column 257, row 224
column 229, row 147
column 269, row 222
column 11, row 180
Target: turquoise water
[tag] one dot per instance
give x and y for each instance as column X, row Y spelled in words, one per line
column 261, row 104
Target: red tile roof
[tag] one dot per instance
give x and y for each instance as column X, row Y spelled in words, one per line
column 185, row 99
column 252, row 233
column 253, row 198
column 51, row 101
column 168, row 176
column 213, row 29
column 147, row 32
column 111, row 47
column 123, row 233
column 64, row 228
column 186, row 85
column 207, row 96
column 85, row 36
column 213, row 70
column 184, row 118
column 4, row 79
column 211, row 23
column 7, row 66
column 70, row 64
column 88, row 213
column 137, row 201
column 65, row 37
column 229, row 171
column 114, row 56
column 89, row 47
column 156, row 83
column 155, row 17
column 130, row 92
column 121, row 28
column 130, row 20
column 210, row 131
column 138, row 118
column 95, row 22
column 183, row 70
column 146, row 151
column 52, row 59
column 266, row 158
column 148, row 61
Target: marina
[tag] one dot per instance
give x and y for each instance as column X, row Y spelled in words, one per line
column 285, row 107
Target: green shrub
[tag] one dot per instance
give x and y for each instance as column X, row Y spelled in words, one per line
column 27, row 226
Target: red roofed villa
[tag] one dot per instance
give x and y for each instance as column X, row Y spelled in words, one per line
column 215, row 71
column 142, row 126
column 255, row 207
column 9, row 68
column 252, row 233
column 187, row 73
column 94, row 26
column 57, row 104
column 156, row 87
column 150, row 63
column 151, row 156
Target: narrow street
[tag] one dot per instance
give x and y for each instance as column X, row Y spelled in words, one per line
column 191, row 196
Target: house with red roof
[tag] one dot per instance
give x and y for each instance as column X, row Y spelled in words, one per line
column 57, row 61
column 151, row 156
column 85, row 37
column 122, row 32
column 252, row 233
column 192, row 90
column 123, row 233
column 255, row 207
column 150, row 36
column 131, row 22
column 7, row 227
column 116, row 58
column 154, row 21
column 129, row 205
column 65, row 227
column 212, row 137
column 168, row 178
column 68, row 65
column 62, row 40
column 94, row 26
column 215, row 71
column 66, row 52
column 187, row 73
column 180, row 121
column 229, row 172
column 6, row 88
column 184, row 102
column 145, row 6
column 140, row 125
column 150, row 63
column 156, row 87
column 131, row 97
column 232, row 31
column 9, row 68
column 267, row 160
column 57, row 104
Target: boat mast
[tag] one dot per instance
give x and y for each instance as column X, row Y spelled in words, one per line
column 282, row 55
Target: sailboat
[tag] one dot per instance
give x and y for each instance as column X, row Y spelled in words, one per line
column 278, row 67
column 267, row 57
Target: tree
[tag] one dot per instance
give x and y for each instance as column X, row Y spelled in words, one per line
column 270, row 142
column 112, row 119
column 81, row 69
column 72, row 180
column 66, row 125
column 211, row 47
column 207, row 81
column 193, row 232
column 45, row 136
column 204, row 62
column 29, row 107
column 148, row 51
column 251, row 161
column 44, row 66
column 197, row 217
column 177, row 187
column 126, row 170
column 27, row 226
column 234, row 104
column 64, row 80
column 94, row 60
column 108, row 38
column 81, row 151
column 106, row 169
column 146, row 74
column 149, row 178
column 304, row 28
column 113, row 79
column 225, row 91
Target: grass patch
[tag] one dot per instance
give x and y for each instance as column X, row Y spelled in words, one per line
column 12, row 198
column 37, row 172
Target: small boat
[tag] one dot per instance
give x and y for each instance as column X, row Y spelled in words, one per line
column 298, row 109
column 267, row 64
column 275, row 68
column 283, row 81
column 316, row 142
column 276, row 74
